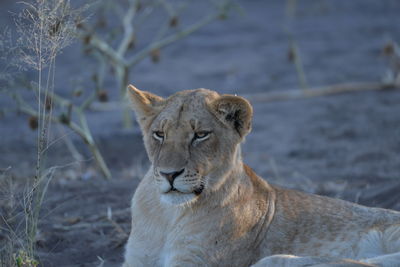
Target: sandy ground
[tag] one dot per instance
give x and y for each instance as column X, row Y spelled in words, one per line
column 346, row 146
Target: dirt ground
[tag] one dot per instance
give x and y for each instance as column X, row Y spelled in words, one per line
column 345, row 146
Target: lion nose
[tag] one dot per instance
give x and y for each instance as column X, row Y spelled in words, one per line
column 171, row 175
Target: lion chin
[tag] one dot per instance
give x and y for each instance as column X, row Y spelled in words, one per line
column 177, row 198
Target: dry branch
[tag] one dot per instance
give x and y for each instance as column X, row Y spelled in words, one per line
column 293, row 94
column 285, row 95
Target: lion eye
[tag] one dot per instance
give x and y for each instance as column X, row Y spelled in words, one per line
column 200, row 136
column 158, row 135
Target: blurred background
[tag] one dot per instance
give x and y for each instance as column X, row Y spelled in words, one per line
column 322, row 77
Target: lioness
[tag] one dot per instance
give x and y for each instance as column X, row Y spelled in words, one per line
column 200, row 205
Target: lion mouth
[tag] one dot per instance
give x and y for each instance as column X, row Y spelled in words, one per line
column 197, row 191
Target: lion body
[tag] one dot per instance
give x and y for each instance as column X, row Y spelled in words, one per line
column 200, row 205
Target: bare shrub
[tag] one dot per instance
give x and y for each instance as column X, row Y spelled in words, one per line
column 115, row 44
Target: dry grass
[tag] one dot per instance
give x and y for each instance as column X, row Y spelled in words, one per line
column 44, row 29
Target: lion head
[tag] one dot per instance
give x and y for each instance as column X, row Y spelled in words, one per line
column 192, row 139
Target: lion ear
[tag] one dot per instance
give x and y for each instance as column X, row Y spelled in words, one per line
column 233, row 111
column 144, row 103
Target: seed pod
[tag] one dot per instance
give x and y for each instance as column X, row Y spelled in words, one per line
column 291, row 54
column 77, row 92
column 155, row 55
column 33, row 122
column 102, row 96
column 64, row 118
column 173, row 22
column 388, row 49
column 87, row 38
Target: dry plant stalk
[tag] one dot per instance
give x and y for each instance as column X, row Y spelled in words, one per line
column 44, row 28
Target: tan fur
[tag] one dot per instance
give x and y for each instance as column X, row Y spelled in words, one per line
column 220, row 213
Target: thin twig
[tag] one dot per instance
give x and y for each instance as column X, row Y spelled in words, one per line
column 129, row 32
